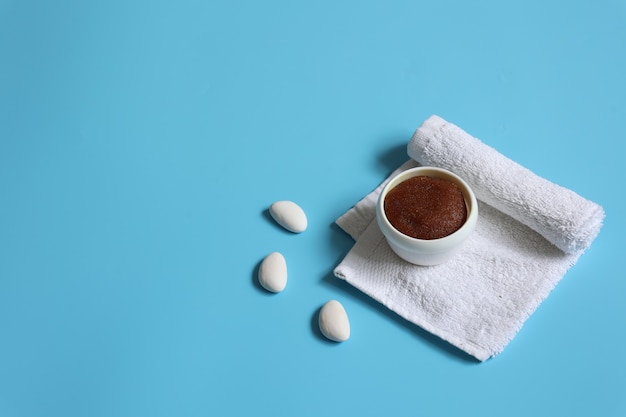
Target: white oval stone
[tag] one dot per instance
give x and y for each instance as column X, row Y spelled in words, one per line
column 334, row 323
column 273, row 272
column 289, row 215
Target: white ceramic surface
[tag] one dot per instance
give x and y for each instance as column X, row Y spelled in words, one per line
column 421, row 251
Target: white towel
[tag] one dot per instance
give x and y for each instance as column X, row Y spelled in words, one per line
column 529, row 233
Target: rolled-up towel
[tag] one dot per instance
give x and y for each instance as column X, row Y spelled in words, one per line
column 529, row 233
column 567, row 220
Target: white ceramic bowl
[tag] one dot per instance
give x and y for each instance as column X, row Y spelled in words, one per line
column 422, row 251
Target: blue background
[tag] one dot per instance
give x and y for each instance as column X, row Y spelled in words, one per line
column 141, row 143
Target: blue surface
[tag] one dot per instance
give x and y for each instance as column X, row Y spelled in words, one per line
column 141, row 143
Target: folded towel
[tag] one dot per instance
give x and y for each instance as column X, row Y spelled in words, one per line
column 567, row 220
column 529, row 233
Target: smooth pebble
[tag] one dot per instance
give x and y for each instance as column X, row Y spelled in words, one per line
column 333, row 321
column 273, row 272
column 289, row 215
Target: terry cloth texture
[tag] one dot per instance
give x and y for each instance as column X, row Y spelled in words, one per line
column 530, row 231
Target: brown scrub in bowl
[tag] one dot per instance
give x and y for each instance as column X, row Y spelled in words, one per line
column 426, row 207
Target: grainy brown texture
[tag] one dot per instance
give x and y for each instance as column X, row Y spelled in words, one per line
column 426, row 207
